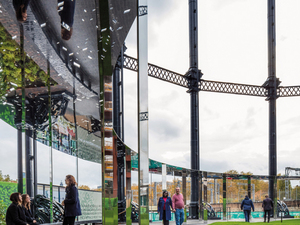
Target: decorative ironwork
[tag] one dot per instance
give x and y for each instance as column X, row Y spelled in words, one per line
column 42, row 210
column 288, row 91
column 143, row 116
column 212, row 86
column 143, row 10
column 232, row 88
column 204, row 85
column 157, row 72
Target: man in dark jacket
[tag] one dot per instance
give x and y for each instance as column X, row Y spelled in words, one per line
column 246, row 205
column 267, row 206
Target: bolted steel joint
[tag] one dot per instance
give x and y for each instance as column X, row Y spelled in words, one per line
column 193, row 77
column 272, row 85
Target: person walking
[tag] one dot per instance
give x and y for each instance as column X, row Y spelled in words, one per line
column 267, row 207
column 71, row 202
column 15, row 214
column 26, row 208
column 246, row 205
column 178, row 205
column 163, row 208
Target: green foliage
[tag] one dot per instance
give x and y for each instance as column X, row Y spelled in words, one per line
column 11, row 64
column 3, row 208
column 5, row 178
column 7, row 188
column 7, row 114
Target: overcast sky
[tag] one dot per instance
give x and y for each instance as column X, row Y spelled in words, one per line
column 232, row 48
column 233, row 128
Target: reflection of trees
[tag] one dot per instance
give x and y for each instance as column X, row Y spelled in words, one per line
column 171, row 185
column 236, row 191
column 86, row 187
column 10, row 63
column 296, row 193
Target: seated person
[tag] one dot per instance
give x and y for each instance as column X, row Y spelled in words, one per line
column 26, row 207
column 15, row 214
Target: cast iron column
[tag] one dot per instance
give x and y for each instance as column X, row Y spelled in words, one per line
column 272, row 84
column 34, row 163
column 20, row 161
column 28, row 158
column 193, row 78
column 116, row 97
column 118, row 125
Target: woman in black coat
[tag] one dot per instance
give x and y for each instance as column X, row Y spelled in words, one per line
column 15, row 214
column 27, row 210
column 71, row 202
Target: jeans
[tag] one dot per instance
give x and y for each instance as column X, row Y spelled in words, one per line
column 247, row 215
column 179, row 216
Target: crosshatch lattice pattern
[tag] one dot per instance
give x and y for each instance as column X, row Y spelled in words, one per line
column 206, row 85
column 157, row 72
column 143, row 10
column 288, row 91
column 232, row 88
column 143, row 116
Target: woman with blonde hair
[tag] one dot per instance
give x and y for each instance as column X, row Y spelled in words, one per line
column 27, row 210
column 15, row 214
column 71, row 202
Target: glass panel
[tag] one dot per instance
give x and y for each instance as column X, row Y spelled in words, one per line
column 164, row 176
column 142, row 30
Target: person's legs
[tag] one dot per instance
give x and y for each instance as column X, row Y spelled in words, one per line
column 164, row 217
column 246, row 215
column 181, row 216
column 69, row 220
column 177, row 216
column 269, row 214
column 265, row 215
column 249, row 214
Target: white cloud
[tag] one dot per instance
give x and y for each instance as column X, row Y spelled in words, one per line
column 232, row 48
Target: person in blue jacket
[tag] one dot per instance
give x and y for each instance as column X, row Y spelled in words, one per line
column 71, row 202
column 246, row 205
column 163, row 208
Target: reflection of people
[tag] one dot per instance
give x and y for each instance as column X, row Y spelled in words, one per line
column 71, row 202
column 66, row 9
column 246, row 205
column 21, row 9
column 178, row 205
column 267, row 206
column 26, row 207
column 15, row 214
column 163, row 207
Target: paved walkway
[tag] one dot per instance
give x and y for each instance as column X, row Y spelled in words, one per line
column 192, row 222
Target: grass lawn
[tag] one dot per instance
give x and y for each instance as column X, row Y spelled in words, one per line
column 287, row 222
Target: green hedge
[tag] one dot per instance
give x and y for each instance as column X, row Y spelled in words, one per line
column 3, row 208
column 7, row 188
